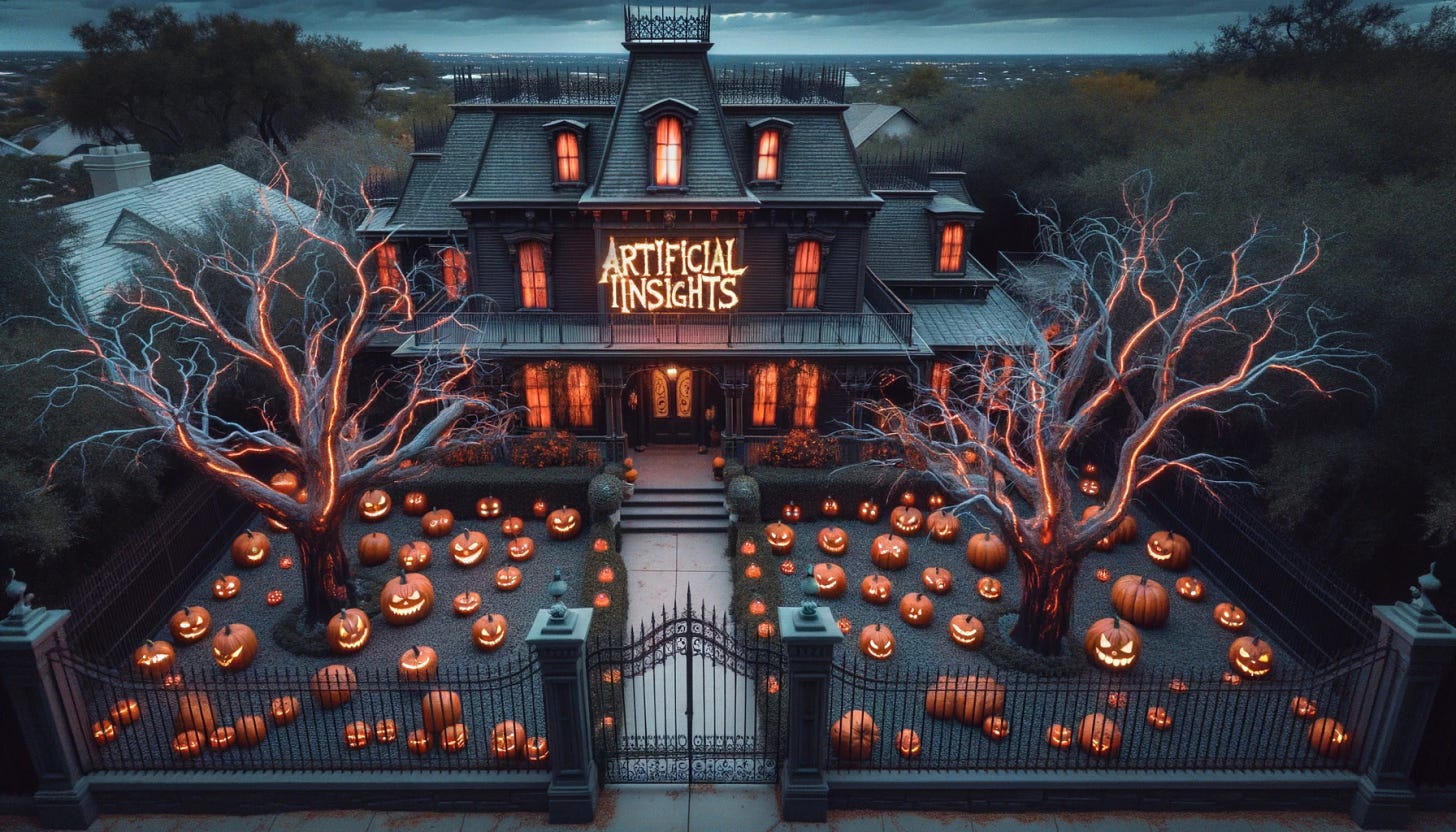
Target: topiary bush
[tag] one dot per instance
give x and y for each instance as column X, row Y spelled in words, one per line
column 733, row 468
column 743, row 497
column 607, row 622
column 603, row 496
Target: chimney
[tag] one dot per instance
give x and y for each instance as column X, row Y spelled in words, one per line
column 118, row 167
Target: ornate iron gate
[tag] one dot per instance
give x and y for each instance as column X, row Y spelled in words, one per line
column 688, row 698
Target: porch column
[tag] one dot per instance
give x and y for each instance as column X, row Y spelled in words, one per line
column 614, row 428
column 857, row 386
column 809, row 635
column 733, row 385
column 558, row 640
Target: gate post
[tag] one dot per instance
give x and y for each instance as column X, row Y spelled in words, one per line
column 558, row 640
column 63, row 797
column 809, row 635
column 1423, row 644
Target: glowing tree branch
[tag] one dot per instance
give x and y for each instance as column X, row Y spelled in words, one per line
column 1126, row 340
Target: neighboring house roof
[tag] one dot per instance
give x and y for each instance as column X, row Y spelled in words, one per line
column 98, row 256
column 864, row 120
column 993, row 322
column 9, row 148
column 65, row 140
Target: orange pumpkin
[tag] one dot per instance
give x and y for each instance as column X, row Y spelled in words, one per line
column 916, row 609
column 507, row 578
column 1098, row 735
column 996, row 727
column 512, row 526
column 469, row 548
column 830, row 580
column 967, row 631
column 437, row 523
column 829, row 508
column 876, row 589
column 791, row 513
column 284, row 482
column 348, row 631
column 1140, row 601
column 1113, row 644
column 1229, row 616
column 418, row 664
column 563, row 523
column 1329, row 737
column 1169, row 550
column 943, row 526
column 869, row 511
column 333, row 686
column 385, row 731
column 414, row 503
column 374, row 549
column 440, row 709
column 1189, row 587
column 226, row 587
column 188, row 744
column 987, row 552
column 414, row 556
column 520, row 549
column 373, row 505
column 234, row 647
column 507, row 740
column 250, row 730
column 284, row 709
column 988, row 588
column 907, row 742
column 103, row 731
column 833, row 540
column 1251, row 657
column 907, row 520
column 488, row 508
column 890, row 552
column 936, row 580
column 780, row 538
column 539, row 508
column 125, row 712
column 407, row 598
column 489, row 632
column 466, row 602
column 877, row 642
column 537, row 751
column 190, row 624
column 418, row 741
column 854, row 736
column 250, row 549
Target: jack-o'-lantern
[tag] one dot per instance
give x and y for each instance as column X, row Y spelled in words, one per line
column 348, row 631
column 418, row 664
column 1177, row 685
column 489, row 631
column 830, row 507
column 1059, row 736
column 440, row 709
column 757, row 607
column 385, row 731
column 1329, row 737
column 907, row 742
column 1304, row 707
column 154, row 659
column 833, row 540
column 103, row 731
column 488, row 508
column 1089, row 469
column 869, row 511
column 333, row 686
column 791, row 513
column 877, row 642
column 890, row 552
column 507, row 740
column 907, row 520
column 600, row 545
column 916, row 609
column 536, row 750
column 1159, row 718
column 1251, row 657
column 466, row 602
column 454, row 738
column 190, row 624
column 771, row 684
column 606, row 575
column 748, row 549
column 936, row 580
column 1113, row 644
column 780, row 538
column 787, row 567
column 602, row 600
column 125, row 712
column 844, row 624
column 1230, row 617
column 996, row 727
column 989, row 588
column 1169, row 550
column 967, row 630
column 414, row 556
column 943, row 526
column 507, row 578
column 374, row 549
column 612, row 675
column 250, row 549
column 407, row 598
column 520, row 549
column 1232, row 679
column 437, row 523
column 752, row 572
column 284, row 709
column 285, row 562
column 226, row 587
column 854, row 736
column 563, row 523
column 357, row 734
column 1098, row 735
column 1117, row 699
column 765, row 629
column 1103, row 574
column 1140, row 601
column 418, row 741
column 830, row 580
column 250, row 730
column 876, row 589
column 1189, row 587
column 512, row 526
column 469, row 548
column 234, row 647
column 373, row 505
column 188, row 744
column 907, row 498
column 539, row 508
column 284, row 482
column 414, row 503
column 222, row 738
column 935, row 501
column 1089, row 486
column 987, row 552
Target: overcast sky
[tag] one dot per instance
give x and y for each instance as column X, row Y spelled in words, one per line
column 739, row 26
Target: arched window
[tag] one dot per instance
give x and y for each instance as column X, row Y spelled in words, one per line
column 765, row 396
column 453, row 271
column 668, row 156
column 568, row 157
column 579, row 395
column 531, row 257
column 767, row 169
column 538, row 396
column 806, row 397
column 386, row 260
column 806, row 275
column 952, row 246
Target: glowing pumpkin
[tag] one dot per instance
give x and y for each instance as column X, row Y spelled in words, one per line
column 988, row 588
column 1059, row 736
column 996, row 727
column 385, row 731
column 373, row 505
column 787, row 567
column 488, row 508
column 512, row 526
column 418, row 664
column 780, row 538
column 154, row 659
column 916, row 609
column 250, row 549
column 348, row 631
column 520, row 549
column 829, row 580
column 563, row 523
column 284, row 709
column 833, row 540
column 890, row 552
column 125, row 712
column 1103, row 574
column 221, row 738
column 188, row 744
column 1113, row 644
column 103, row 731
column 1169, row 550
column 414, row 504
column 507, row 578
column 752, row 572
column 943, row 526
column 907, row 520
column 1098, row 735
column 190, row 624
column 489, row 632
column 507, row 740
column 226, row 587
column 418, row 741
column 407, row 598
column 234, row 647
column 538, row 508
column 1159, row 718
column 1329, row 737
column 907, row 742
column 1251, row 657
column 791, row 513
column 1303, row 707
column 357, row 734
column 1229, row 616
column 466, row 602
column 1189, row 587
column 469, row 548
column 537, row 752
column 829, row 508
column 936, row 580
column 414, row 556
column 869, row 511
column 877, row 642
column 437, row 523
column 876, row 589
column 284, row 482
column 967, row 631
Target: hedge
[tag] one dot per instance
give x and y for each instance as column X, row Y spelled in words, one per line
column 457, row 488
column 850, row 485
column 608, row 623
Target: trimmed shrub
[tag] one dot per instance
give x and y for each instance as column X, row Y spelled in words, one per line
column 458, row 488
column 733, row 468
column 851, row 485
column 607, row 622
column 743, row 497
column 604, row 496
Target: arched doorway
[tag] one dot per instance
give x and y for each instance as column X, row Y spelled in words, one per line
column 672, row 404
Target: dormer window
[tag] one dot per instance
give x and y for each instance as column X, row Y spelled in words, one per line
column 568, row 164
column 668, row 157
column 952, row 248
column 768, row 135
column 667, row 127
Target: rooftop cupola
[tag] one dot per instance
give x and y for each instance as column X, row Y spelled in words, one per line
column 666, row 24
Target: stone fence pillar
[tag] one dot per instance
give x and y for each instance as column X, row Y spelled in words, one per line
column 558, row 640
column 809, row 635
column 1423, row 645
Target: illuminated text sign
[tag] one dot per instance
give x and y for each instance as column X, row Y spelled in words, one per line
column 672, row 275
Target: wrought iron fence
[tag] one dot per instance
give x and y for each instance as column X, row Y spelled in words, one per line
column 316, row 739
column 780, row 85
column 1212, row 725
column 667, row 23
column 532, row 85
column 429, row 136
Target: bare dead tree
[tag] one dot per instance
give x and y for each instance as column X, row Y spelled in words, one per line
column 1126, row 338
column 294, row 306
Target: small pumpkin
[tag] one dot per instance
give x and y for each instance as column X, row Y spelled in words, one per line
column 854, row 736
column 877, row 641
column 225, row 587
column 967, row 631
column 374, row 505
column 520, row 549
column 489, row 632
column 188, row 744
column 507, row 578
column 284, row 709
column 418, row 664
column 357, row 734
column 407, row 598
column 437, row 523
column 536, row 751
column 539, row 508
column 907, row 520
column 333, row 686
column 907, row 743
column 829, row 580
column 988, row 588
column 414, row 556
column 869, row 511
column 103, row 731
column 1059, row 736
column 1169, row 550
column 418, row 741
column 125, row 712
column 221, row 738
column 787, row 567
column 512, row 526
column 385, row 731
column 488, row 508
column 1159, row 718
column 1304, row 707
column 284, row 482
column 250, row 730
column 466, row 602
column 507, row 740
column 936, row 580
column 1189, row 587
column 250, row 549
column 780, row 538
column 453, row 738
column 1229, row 616
column 916, row 609
column 1251, row 657
column 791, row 513
column 414, row 504
column 1140, row 601
column 190, row 624
column 1329, row 737
column 942, row 526
column 996, row 727
column 374, row 549
column 563, row 524
column 469, row 548
column 234, row 647
column 1113, row 644
column 876, row 589
column 833, row 540
column 829, row 508
column 890, row 552
column 1127, row 529
column 1099, row 735
column 987, row 552
column 348, row 631
column 194, row 713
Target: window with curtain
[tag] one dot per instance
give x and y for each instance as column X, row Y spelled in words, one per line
column 806, row 397
column 765, row 396
column 538, row 396
column 940, row 378
column 386, row 258
column 453, row 271
column 667, row 170
column 767, row 169
column 579, row 395
column 952, row 246
column 532, row 259
column 568, row 157
column 806, row 275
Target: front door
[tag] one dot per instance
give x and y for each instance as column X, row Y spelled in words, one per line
column 672, row 399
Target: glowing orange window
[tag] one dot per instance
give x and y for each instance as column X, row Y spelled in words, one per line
column 952, row 246
column 453, row 271
column 806, row 397
column 765, row 396
column 568, row 157
column 579, row 397
column 532, row 259
column 768, row 156
column 387, row 261
column 806, row 275
column 667, row 172
column 538, row 397
column 940, row 378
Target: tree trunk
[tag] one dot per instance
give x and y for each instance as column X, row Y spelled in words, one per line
column 328, row 584
column 1045, row 614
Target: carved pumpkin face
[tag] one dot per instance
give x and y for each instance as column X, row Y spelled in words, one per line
column 414, row 556
column 1329, row 737
column 889, row 551
column 103, row 731
column 488, row 508
column 507, row 578
column 348, row 631
column 791, row 513
column 830, row 507
column 538, row 508
column 273, row 598
column 907, row 743
column 190, row 624
column 373, row 505
column 1189, row 587
column 418, row 664
column 787, row 567
column 1251, row 657
column 536, row 751
column 284, row 482
column 407, row 598
column 830, row 580
column 1098, row 735
column 226, row 587
column 221, row 738
column 1177, row 685
column 1159, row 718
column 989, row 588
column 250, row 549
column 125, row 712
column 507, row 740
column 453, row 738
column 1169, row 550
column 916, row 609
column 936, row 580
column 943, row 526
column 906, row 520
column 521, row 549
column 1229, row 616
column 385, row 731
column 489, row 631
column 1113, row 644
column 967, row 631
column 844, row 624
column 234, row 646
column 996, row 727
column 563, row 523
column 1090, row 486
column 869, row 511
column 466, row 602
column 877, row 642
column 469, row 548
column 600, row 545
column 512, row 527
column 357, row 734
column 1059, row 736
column 780, row 538
column 833, row 540
column 414, row 503
column 418, row 741
column 987, row 552
column 907, row 498
column 876, row 589
column 188, row 744
column 1303, row 707
column 283, row 709
column 437, row 523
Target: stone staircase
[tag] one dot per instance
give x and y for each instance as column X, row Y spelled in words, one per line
column 675, row 510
